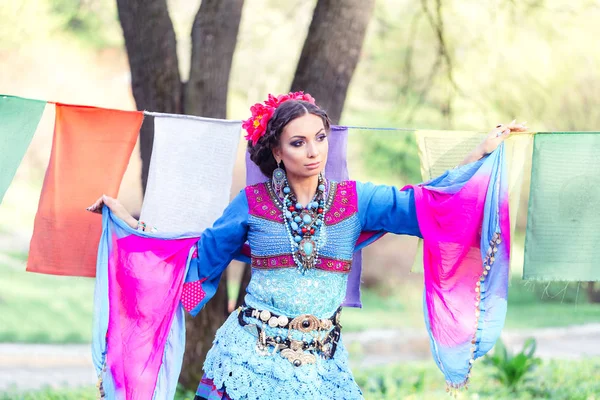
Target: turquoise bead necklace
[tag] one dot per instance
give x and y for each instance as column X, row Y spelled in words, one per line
column 303, row 225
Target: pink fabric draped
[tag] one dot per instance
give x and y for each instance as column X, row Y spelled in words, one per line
column 463, row 217
column 142, row 303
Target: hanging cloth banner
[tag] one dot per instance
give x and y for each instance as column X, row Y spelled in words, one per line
column 139, row 326
column 189, row 184
column 19, row 119
column 562, row 237
column 443, row 150
column 191, row 171
column 90, row 152
column 464, row 219
column 336, row 169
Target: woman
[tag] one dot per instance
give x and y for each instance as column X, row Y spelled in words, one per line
column 285, row 341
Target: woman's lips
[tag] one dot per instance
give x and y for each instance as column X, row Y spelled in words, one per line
column 313, row 165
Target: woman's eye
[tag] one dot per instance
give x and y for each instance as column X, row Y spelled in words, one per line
column 322, row 137
column 297, row 144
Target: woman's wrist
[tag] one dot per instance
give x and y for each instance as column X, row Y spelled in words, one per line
column 475, row 155
column 480, row 151
column 132, row 222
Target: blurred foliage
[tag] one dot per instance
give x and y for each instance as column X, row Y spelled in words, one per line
column 466, row 65
column 530, row 60
column 90, row 23
column 390, row 156
column 513, row 370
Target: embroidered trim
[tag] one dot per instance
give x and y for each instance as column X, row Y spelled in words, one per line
column 276, row 200
column 341, row 202
column 344, row 205
column 286, row 261
column 261, row 204
column 330, row 264
column 272, row 262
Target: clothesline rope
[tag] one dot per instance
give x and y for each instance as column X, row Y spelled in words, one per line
column 192, row 117
column 237, row 121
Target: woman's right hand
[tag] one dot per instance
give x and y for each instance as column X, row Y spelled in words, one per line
column 115, row 207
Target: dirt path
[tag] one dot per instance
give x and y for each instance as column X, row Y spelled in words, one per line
column 33, row 366
column 379, row 347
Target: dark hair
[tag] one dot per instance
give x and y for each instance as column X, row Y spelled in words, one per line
column 262, row 153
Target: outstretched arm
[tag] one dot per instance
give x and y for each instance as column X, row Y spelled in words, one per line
column 387, row 209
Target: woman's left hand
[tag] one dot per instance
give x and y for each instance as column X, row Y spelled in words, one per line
column 498, row 134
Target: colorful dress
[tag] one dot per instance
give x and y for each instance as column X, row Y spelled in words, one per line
column 277, row 285
column 285, row 342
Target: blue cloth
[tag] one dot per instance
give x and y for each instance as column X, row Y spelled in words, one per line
column 387, row 209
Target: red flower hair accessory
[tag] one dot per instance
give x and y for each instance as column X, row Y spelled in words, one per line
column 262, row 113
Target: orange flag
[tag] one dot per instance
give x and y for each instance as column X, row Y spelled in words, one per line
column 90, row 152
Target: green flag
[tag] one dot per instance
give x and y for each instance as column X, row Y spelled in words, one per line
column 563, row 223
column 19, row 119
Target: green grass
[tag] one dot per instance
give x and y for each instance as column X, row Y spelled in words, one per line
column 87, row 393
column 571, row 380
column 37, row 308
column 556, row 380
column 84, row 393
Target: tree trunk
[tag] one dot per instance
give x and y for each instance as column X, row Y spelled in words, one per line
column 593, row 293
column 214, row 35
column 152, row 52
column 331, row 51
column 156, row 84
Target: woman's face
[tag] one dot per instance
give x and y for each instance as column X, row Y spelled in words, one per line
column 303, row 147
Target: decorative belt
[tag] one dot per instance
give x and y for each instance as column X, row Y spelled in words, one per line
column 297, row 352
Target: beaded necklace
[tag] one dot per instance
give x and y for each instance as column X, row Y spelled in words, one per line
column 303, row 225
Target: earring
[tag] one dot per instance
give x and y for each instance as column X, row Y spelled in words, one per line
column 278, row 179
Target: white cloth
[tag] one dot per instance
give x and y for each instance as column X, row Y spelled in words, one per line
column 191, row 169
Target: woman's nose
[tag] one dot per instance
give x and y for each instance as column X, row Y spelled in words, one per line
column 312, row 150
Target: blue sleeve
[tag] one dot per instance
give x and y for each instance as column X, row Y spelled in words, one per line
column 217, row 247
column 384, row 208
